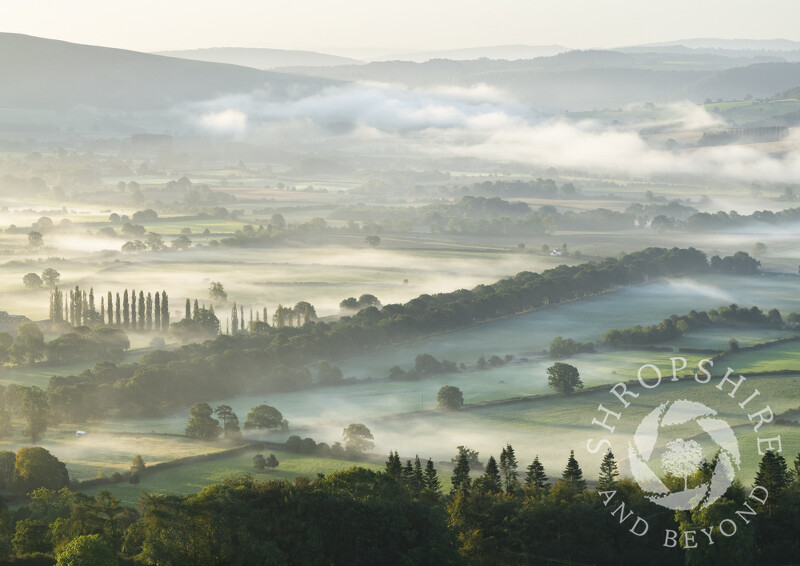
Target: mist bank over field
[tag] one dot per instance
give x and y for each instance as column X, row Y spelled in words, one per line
column 359, row 121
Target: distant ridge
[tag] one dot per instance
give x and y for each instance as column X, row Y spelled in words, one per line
column 733, row 44
column 507, row 52
column 261, row 58
column 52, row 74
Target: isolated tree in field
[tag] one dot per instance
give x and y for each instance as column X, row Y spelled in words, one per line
column 86, row 550
column 216, row 291
column 31, row 281
column 35, row 239
column 536, row 476
column 573, row 475
column 272, row 461
column 201, row 424
column 50, row 277
column 460, row 478
column 450, row 398
column 259, row 462
column 188, row 315
column 357, row 438
column 230, row 422
column 608, row 472
column 29, row 345
column 564, row 378
column 508, row 469
column 264, row 417
column 137, row 465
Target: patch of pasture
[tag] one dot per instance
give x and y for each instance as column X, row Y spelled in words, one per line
column 192, row 478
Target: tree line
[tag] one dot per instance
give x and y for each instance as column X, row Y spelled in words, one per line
column 674, row 326
column 492, row 513
column 277, row 359
column 79, row 308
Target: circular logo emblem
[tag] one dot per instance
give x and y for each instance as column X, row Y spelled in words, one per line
column 682, row 458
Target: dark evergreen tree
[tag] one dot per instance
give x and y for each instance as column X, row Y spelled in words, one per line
column 508, row 468
column 407, row 474
column 460, row 478
column 133, row 309
column 432, row 481
column 188, row 315
column 491, row 480
column 573, row 474
column 234, row 319
column 536, row 477
column 117, row 311
column 417, row 478
column 394, row 468
column 102, row 310
column 608, row 472
column 196, row 310
column 772, row 473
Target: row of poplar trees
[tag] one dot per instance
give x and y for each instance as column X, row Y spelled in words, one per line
column 78, row 308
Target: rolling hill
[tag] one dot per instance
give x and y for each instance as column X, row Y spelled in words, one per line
column 261, row 58
column 49, row 74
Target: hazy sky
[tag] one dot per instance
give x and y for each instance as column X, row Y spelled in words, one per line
column 149, row 25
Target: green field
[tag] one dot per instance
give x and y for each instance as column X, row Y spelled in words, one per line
column 550, row 427
column 774, row 358
column 193, row 478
